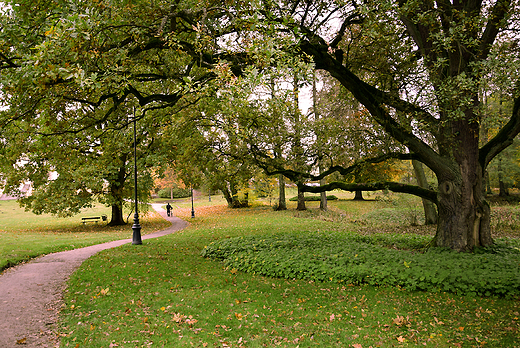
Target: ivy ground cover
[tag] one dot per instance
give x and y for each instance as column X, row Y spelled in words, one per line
column 164, row 294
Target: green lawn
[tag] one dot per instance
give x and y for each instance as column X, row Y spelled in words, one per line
column 25, row 235
column 164, row 294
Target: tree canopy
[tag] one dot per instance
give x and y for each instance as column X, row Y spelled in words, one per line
column 416, row 68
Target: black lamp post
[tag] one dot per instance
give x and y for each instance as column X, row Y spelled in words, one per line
column 136, row 227
column 192, row 210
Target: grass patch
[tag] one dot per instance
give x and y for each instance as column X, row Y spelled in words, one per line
column 26, row 235
column 165, row 294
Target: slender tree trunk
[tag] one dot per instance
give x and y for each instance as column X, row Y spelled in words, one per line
column 430, row 213
column 282, row 204
column 488, row 183
column 323, row 197
column 502, row 186
column 503, row 190
column 301, row 200
column 230, row 192
column 297, row 143
column 228, row 196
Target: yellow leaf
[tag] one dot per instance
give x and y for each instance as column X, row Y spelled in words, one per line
column 22, row 341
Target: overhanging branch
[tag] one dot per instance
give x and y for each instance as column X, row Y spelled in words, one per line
column 387, row 185
column 503, row 139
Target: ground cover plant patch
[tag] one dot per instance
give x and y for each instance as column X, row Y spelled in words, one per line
column 395, row 260
column 26, row 235
column 164, row 294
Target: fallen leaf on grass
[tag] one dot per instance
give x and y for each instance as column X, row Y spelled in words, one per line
column 398, row 321
column 438, row 321
column 357, row 345
column 178, row 317
column 401, row 339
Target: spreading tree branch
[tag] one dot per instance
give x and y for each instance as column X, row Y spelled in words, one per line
column 392, row 186
column 503, row 138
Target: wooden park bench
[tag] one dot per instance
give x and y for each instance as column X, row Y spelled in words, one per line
column 95, row 219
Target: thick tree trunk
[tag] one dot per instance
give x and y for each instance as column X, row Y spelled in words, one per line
column 116, row 191
column 464, row 217
column 464, row 214
column 282, row 205
column 359, row 196
column 430, row 213
column 117, row 215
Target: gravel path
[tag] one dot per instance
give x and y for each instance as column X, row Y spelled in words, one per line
column 31, row 293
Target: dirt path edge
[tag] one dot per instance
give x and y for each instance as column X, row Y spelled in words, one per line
column 31, row 293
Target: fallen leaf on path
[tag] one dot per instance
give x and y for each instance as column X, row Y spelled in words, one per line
column 22, row 341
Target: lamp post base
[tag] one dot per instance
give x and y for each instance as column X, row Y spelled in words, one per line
column 192, row 209
column 136, row 228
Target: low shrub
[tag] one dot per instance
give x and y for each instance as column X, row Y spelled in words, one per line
column 375, row 260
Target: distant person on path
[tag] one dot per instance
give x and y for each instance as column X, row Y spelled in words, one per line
column 168, row 209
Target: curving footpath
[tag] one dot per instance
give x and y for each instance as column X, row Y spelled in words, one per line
column 31, row 293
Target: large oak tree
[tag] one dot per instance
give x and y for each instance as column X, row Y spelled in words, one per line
column 447, row 49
